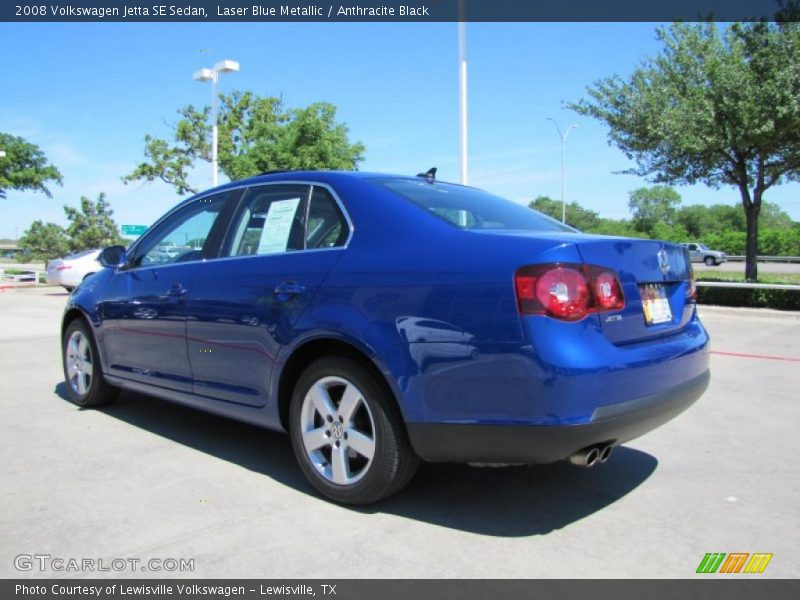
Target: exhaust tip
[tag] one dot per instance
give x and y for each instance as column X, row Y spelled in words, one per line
column 587, row 457
column 605, row 453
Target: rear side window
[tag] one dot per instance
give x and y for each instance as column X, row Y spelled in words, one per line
column 327, row 227
column 470, row 208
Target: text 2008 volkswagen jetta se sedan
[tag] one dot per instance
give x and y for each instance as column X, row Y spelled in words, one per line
column 382, row 319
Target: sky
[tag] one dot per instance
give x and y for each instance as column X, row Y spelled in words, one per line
column 88, row 93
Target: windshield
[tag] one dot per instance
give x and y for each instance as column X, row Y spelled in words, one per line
column 702, row 246
column 470, row 208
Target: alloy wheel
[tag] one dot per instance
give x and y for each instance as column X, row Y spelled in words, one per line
column 338, row 430
column 80, row 364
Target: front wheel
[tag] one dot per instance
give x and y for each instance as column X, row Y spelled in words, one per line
column 347, row 433
column 710, row 261
column 83, row 375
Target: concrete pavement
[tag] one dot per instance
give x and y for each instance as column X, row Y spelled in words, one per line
column 147, row 479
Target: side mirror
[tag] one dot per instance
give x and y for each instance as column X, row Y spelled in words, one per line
column 113, row 256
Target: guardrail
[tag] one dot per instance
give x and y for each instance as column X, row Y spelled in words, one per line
column 749, row 286
column 14, row 280
column 783, row 259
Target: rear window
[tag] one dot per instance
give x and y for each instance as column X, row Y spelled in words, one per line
column 470, row 208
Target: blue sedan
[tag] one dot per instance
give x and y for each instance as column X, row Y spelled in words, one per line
column 381, row 320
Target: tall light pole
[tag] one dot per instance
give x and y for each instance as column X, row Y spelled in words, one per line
column 462, row 91
column 212, row 75
column 563, row 137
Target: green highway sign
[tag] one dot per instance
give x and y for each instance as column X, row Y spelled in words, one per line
column 133, row 229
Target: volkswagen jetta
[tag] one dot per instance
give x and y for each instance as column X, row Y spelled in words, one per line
column 380, row 320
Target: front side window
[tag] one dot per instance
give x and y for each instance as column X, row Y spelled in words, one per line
column 183, row 237
column 470, row 208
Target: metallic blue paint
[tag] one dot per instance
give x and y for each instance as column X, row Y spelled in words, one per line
column 431, row 305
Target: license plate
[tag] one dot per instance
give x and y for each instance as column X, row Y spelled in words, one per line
column 655, row 304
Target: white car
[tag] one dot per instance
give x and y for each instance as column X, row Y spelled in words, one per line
column 71, row 270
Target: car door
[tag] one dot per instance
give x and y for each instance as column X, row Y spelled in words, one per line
column 144, row 307
column 283, row 241
column 694, row 253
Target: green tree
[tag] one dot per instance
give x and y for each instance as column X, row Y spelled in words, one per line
column 256, row 134
column 719, row 105
column 24, row 167
column 650, row 206
column 92, row 226
column 774, row 217
column 43, row 241
column 579, row 217
column 696, row 219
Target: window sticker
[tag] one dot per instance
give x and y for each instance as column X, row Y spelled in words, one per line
column 278, row 226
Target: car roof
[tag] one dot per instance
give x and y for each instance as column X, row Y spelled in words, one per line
column 328, row 177
column 321, row 176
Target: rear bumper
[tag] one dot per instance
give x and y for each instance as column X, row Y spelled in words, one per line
column 612, row 424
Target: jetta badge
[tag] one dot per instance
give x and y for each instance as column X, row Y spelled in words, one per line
column 663, row 261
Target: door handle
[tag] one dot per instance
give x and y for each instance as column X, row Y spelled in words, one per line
column 289, row 288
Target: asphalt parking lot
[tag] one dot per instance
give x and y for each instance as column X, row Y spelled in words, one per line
column 147, row 479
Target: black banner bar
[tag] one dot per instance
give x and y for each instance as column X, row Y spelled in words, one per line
column 384, row 11
column 705, row 587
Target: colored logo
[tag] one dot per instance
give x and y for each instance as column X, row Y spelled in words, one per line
column 735, row 562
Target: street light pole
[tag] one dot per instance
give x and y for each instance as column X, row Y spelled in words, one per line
column 563, row 137
column 462, row 92
column 212, row 75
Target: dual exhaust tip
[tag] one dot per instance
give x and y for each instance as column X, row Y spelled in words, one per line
column 592, row 455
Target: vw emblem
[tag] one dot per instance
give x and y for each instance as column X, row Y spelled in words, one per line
column 337, row 430
column 663, row 261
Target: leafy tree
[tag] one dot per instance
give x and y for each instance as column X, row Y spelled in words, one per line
column 92, row 226
column 654, row 205
column 774, row 217
column 669, row 233
column 43, row 241
column 24, row 167
column 718, row 105
column 256, row 134
column 577, row 216
column 622, row 228
column 697, row 220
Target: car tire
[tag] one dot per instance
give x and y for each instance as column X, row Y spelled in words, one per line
column 83, row 374
column 348, row 434
column 710, row 261
column 68, row 288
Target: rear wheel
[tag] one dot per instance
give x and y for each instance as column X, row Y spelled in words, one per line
column 83, row 375
column 348, row 434
column 710, row 261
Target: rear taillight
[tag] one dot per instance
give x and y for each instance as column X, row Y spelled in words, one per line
column 691, row 289
column 567, row 291
column 63, row 267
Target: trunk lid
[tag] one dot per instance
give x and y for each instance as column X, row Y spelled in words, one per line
column 646, row 269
